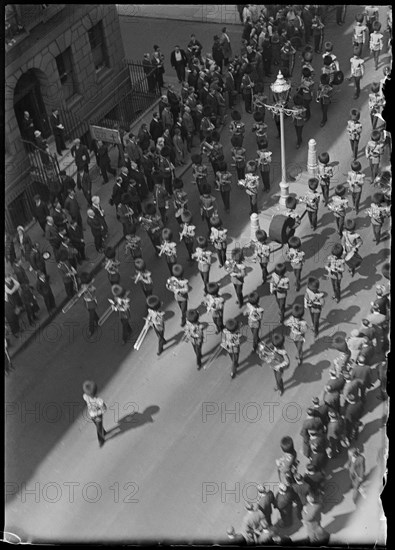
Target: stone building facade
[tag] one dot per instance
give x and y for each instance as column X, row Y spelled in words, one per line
column 64, row 56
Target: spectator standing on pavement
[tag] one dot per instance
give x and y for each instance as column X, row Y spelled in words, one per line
column 149, row 71
column 179, row 60
column 40, row 212
column 96, row 228
column 103, row 160
column 44, row 288
column 43, row 148
column 225, row 46
column 58, row 131
column 73, row 208
column 96, row 408
column 81, row 158
column 25, row 243
column 158, row 60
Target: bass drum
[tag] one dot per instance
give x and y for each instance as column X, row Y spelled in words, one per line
column 338, row 78
column 281, row 229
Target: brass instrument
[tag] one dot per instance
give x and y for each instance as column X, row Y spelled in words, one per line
column 229, row 265
column 86, row 289
column 175, row 285
column 167, row 248
column 115, row 305
column 143, row 277
column 143, row 333
column 187, row 231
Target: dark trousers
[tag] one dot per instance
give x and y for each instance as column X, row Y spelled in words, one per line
column 42, row 224
column 255, row 337
column 162, row 211
column 297, row 278
column 241, row 172
column 313, row 218
column 374, row 121
column 239, row 294
column 248, row 102
column 278, row 375
column 205, row 276
column 49, row 302
column 299, row 131
column 219, row 321
column 358, row 47
column 226, row 199
column 317, row 42
column 340, row 224
column 161, row 339
column 264, row 271
column 374, row 170
column 324, row 109
column 354, row 147
column 281, row 307
column 221, row 252
column 336, row 288
column 69, row 288
column 265, row 180
column 376, row 55
column 126, row 330
column 98, row 242
column 299, row 348
column 356, row 198
column 168, row 183
column 315, row 319
column 306, row 104
column 93, row 320
column 180, row 70
column 189, row 247
column 183, row 306
column 197, row 347
column 325, row 193
column 234, row 356
column 253, row 204
column 170, row 265
column 104, row 168
column 147, row 289
column 101, row 432
column 155, row 239
column 357, row 82
column 59, row 142
column 377, row 232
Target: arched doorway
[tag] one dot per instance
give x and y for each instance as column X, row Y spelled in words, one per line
column 28, row 97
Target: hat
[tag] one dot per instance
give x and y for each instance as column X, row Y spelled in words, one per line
column 85, row 277
column 237, row 254
column 139, row 264
column 298, row 311
column 350, row 225
column 277, row 339
column 361, row 359
column 328, row 46
column 186, row 216
column 340, row 190
column 202, row 242
column 37, row 133
column 355, row 114
column 231, row 325
column 380, row 290
column 236, row 115
column 150, row 209
column 313, row 283
column 62, row 255
column 177, row 270
column 306, row 72
column 315, row 401
column 212, row 288
column 337, row 250
column 294, row 242
column 261, row 235
column 308, row 56
column 376, row 135
column 350, row 398
column 153, row 302
column 258, row 116
column 236, row 140
column 248, row 69
column 324, row 79
column 37, row 197
column 167, row 234
column 323, row 158
column 310, row 468
column 313, row 183
column 340, row 344
column 376, row 25
column 90, row 388
column 109, row 252
column 375, row 87
column 206, row 189
column 359, row 17
column 378, row 198
column 96, row 200
column 327, row 60
column 298, row 478
column 253, row 298
column 117, row 291
column 215, row 220
column 287, row 444
column 290, row 202
column 164, row 98
column 192, row 316
column 178, row 183
column 346, row 375
column 354, row 333
column 280, row 269
column 196, row 158
column 356, row 166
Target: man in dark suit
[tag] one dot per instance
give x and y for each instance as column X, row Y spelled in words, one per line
column 73, row 208
column 81, row 157
column 156, row 127
column 179, row 60
column 58, row 131
column 40, row 211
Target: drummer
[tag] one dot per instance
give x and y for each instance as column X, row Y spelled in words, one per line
column 352, row 242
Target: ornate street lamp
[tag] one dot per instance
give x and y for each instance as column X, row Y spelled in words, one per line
column 280, row 90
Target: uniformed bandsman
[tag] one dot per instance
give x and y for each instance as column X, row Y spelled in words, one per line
column 260, row 129
column 237, row 126
column 223, row 180
column 187, row 232
column 354, row 130
column 261, row 252
column 143, row 277
column 215, row 305
column 314, row 301
column 297, row 257
column 121, row 304
column 133, row 244
column 255, row 315
column 152, row 223
column 279, row 286
column 203, row 257
column 208, row 205
column 231, row 343
column 238, row 157
column 373, row 152
column 298, row 328
column 328, row 46
column 355, row 180
column 359, row 33
column 264, row 160
column 306, row 89
column 111, row 265
column 258, row 103
column 180, row 199
column 376, row 103
column 90, row 300
column 156, row 320
column 335, row 269
column 237, row 270
column 251, row 185
column 299, row 115
column 168, row 248
column 194, row 333
column 351, row 242
column 325, row 173
column 312, row 201
column 338, row 206
column 378, row 211
column 218, row 237
column 290, row 204
column 199, row 172
column 324, row 97
column 179, row 287
column 280, row 361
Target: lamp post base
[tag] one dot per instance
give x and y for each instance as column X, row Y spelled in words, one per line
column 284, row 188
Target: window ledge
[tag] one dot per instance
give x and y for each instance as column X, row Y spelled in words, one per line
column 73, row 100
column 103, row 73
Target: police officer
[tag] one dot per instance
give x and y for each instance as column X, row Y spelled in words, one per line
column 215, row 305
column 231, row 343
column 255, row 314
column 194, row 333
column 156, row 320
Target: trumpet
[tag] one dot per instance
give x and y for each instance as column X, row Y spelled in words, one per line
column 142, row 334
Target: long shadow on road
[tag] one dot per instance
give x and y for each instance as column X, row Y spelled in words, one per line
column 133, row 420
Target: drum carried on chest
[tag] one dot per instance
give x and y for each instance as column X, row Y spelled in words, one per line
column 353, row 259
column 281, row 228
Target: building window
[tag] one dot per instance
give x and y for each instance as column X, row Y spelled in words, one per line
column 98, row 46
column 64, row 62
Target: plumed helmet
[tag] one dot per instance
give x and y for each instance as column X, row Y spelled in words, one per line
column 231, row 325
column 177, row 270
column 206, row 189
column 280, row 269
column 153, row 302
column 313, row 283
column 306, row 72
column 337, row 250
column 258, row 116
column 261, row 235
column 298, row 311
column 277, row 339
column 215, row 220
column 178, row 183
column 139, row 264
column 356, row 166
column 251, row 166
column 186, row 216
column 376, row 135
column 236, row 140
column 196, row 158
column 90, row 388
column 109, row 252
column 167, row 234
column 340, row 190
column 324, row 79
column 202, row 242
column 212, row 288
column 291, row 202
column 378, row 198
column 350, row 225
column 323, row 158
column 386, row 270
column 355, row 114
column 117, row 291
column 359, row 18
column 192, row 316
column 287, row 444
column 328, row 46
column 327, row 60
column 236, row 115
column 150, row 209
column 253, row 298
column 294, row 242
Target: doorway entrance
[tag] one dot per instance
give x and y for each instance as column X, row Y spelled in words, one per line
column 28, row 97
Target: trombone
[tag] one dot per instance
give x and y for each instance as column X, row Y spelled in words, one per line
column 142, row 334
column 76, row 297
